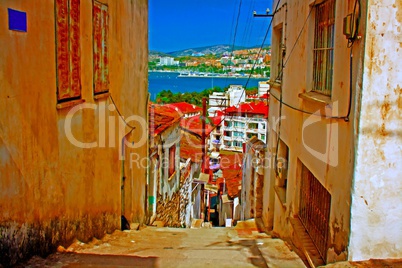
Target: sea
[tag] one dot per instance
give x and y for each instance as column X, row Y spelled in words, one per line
column 158, row 81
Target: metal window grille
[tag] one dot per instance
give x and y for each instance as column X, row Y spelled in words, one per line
column 279, row 55
column 315, row 204
column 324, row 47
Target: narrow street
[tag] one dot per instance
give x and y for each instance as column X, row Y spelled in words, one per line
column 240, row 246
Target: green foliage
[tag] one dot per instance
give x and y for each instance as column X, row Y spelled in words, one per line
column 252, row 91
column 167, row 96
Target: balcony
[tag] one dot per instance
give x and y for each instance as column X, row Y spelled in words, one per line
column 238, row 118
column 227, row 128
column 256, row 120
column 252, row 130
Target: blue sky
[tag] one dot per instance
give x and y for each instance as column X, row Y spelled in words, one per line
column 180, row 24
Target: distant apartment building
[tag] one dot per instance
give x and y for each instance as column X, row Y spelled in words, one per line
column 237, row 94
column 168, row 61
column 240, row 124
column 263, row 88
column 218, row 101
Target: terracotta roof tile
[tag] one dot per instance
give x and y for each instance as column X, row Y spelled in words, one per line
column 249, row 108
column 184, row 107
column 190, row 147
column 232, row 172
column 161, row 118
column 194, row 125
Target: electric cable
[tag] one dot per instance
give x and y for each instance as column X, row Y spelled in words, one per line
column 121, row 116
column 346, row 118
column 237, row 24
column 255, row 62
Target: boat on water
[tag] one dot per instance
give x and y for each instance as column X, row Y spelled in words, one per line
column 216, row 75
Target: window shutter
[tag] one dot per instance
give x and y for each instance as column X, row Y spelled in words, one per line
column 100, row 32
column 68, row 49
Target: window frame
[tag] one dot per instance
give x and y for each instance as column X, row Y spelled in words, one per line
column 323, row 47
column 100, row 31
column 172, row 160
column 68, row 51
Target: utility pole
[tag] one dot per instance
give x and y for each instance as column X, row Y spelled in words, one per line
column 263, row 15
column 203, row 136
column 203, row 164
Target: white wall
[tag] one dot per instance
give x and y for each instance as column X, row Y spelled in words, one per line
column 376, row 215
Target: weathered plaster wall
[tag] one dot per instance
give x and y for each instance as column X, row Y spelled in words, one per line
column 50, row 190
column 325, row 146
column 168, row 195
column 376, row 201
column 186, row 179
column 169, row 185
column 253, row 179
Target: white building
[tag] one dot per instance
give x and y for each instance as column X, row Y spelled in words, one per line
column 219, row 101
column 237, row 94
column 168, row 61
column 263, row 88
column 239, row 125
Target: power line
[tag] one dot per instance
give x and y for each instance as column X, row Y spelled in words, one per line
column 121, row 116
column 255, row 62
column 237, row 24
column 346, row 118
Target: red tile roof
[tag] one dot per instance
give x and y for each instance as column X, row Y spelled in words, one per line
column 161, row 118
column 232, row 172
column 190, row 147
column 185, row 108
column 250, row 108
column 194, row 124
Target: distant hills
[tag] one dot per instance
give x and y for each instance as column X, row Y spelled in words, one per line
column 215, row 50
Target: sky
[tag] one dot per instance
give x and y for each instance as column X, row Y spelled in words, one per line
column 180, row 24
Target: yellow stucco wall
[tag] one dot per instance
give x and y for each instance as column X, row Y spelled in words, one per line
column 52, row 191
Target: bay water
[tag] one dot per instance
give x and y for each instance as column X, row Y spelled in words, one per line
column 158, row 81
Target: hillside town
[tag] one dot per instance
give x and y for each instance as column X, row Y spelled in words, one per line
column 304, row 172
column 237, row 63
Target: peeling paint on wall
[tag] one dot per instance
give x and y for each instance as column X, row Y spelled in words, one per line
column 376, row 203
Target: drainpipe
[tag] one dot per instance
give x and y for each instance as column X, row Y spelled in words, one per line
column 146, row 201
column 123, row 177
column 203, row 136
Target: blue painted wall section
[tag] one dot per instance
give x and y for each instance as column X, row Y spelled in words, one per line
column 17, row 20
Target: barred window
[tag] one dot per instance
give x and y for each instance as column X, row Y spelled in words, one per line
column 324, row 47
column 279, row 54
